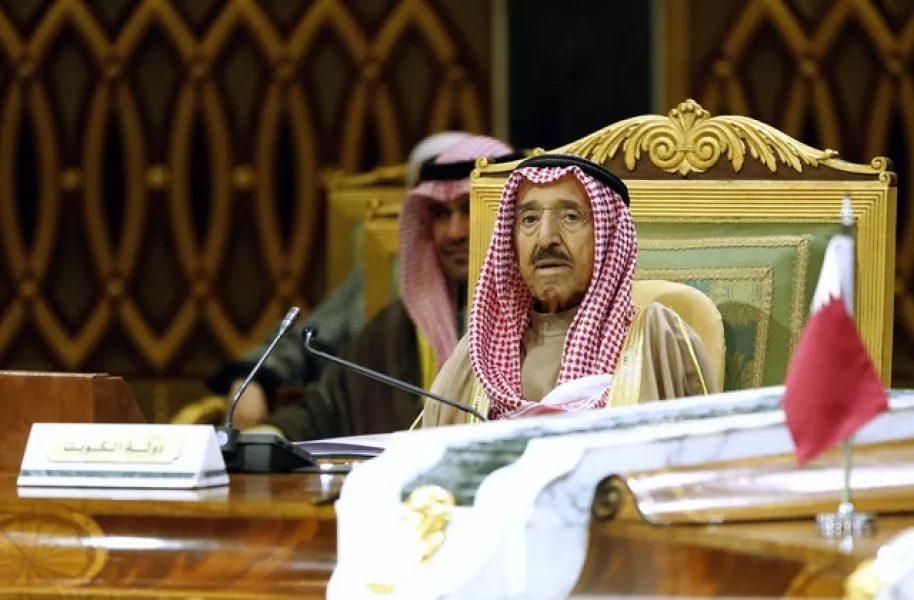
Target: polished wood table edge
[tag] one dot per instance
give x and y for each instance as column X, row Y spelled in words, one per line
column 760, row 489
column 246, row 496
column 898, row 501
column 177, row 508
column 90, row 593
column 797, row 539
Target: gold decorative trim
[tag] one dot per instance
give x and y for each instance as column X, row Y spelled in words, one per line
column 202, row 410
column 429, row 509
column 392, row 175
column 380, row 211
column 800, row 274
column 419, row 418
column 688, row 140
column 49, row 548
column 626, row 384
column 479, row 401
column 426, row 516
column 681, row 325
column 764, row 275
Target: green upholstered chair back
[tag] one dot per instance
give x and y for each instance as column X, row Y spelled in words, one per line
column 760, row 277
column 742, row 212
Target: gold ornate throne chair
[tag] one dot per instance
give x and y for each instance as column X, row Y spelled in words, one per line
column 352, row 200
column 742, row 212
column 380, row 255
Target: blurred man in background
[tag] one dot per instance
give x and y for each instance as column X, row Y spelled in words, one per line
column 340, row 316
column 411, row 337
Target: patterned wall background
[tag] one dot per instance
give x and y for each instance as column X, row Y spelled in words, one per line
column 160, row 165
column 834, row 73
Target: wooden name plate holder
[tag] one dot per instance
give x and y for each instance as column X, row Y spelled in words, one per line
column 696, row 497
column 31, row 397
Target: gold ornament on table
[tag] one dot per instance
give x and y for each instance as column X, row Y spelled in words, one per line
column 56, row 547
column 429, row 512
column 864, row 583
column 426, row 515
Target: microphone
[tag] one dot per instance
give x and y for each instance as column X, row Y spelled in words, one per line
column 260, row 452
column 287, row 322
column 310, row 333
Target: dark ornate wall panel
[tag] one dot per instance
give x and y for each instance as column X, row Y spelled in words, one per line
column 834, row 73
column 576, row 69
column 160, row 160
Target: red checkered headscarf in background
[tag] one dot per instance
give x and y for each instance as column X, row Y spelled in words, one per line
column 430, row 299
column 500, row 313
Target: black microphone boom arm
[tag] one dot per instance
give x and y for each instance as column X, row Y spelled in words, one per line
column 255, row 452
column 310, row 333
column 287, row 322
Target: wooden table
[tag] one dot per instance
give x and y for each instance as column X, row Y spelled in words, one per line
column 263, row 536
column 47, row 397
column 743, row 529
column 744, row 560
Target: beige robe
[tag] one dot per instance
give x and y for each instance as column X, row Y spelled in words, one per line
column 662, row 358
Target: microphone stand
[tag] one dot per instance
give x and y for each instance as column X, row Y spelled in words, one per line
column 310, row 333
column 260, row 452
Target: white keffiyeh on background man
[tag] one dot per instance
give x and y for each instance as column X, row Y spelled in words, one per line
column 553, row 327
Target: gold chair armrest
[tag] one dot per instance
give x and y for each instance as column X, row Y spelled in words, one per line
column 207, row 410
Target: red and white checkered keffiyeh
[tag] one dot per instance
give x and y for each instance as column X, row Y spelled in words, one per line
column 430, row 299
column 500, row 313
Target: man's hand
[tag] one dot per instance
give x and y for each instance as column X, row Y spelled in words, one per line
column 252, row 407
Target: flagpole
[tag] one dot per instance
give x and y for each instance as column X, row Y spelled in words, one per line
column 846, row 523
column 847, row 447
column 847, row 451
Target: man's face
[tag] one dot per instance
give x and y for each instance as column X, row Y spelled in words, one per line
column 553, row 237
column 451, row 236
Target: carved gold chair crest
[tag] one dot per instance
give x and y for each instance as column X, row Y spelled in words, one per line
column 742, row 212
